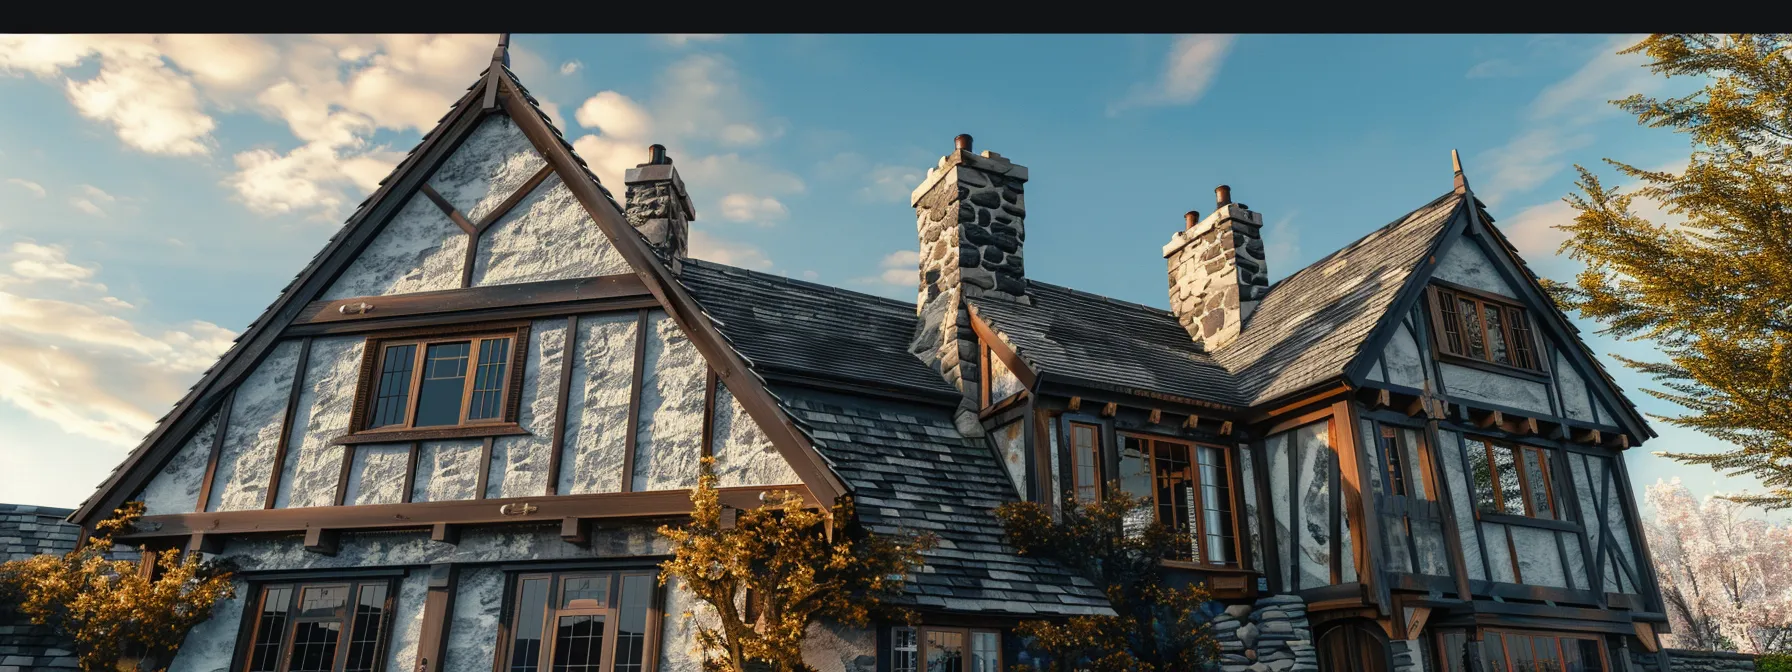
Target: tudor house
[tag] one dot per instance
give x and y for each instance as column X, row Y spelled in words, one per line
column 447, row 444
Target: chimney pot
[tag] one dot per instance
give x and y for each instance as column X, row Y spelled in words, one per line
column 1192, row 218
column 1222, row 195
column 656, row 155
column 962, row 142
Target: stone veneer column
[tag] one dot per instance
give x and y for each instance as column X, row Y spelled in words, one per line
column 658, row 205
column 1217, row 272
column 1270, row 636
column 971, row 220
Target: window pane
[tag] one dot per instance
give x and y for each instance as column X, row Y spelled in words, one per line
column 1521, row 338
column 488, row 380
column 314, row 646
column 1450, row 651
column 1135, row 479
column 322, row 600
column 1396, row 469
column 579, row 644
column 264, row 652
column 1536, row 474
column 1176, row 497
column 1506, row 471
column 395, row 386
column 986, row 652
column 1084, row 451
column 1484, row 481
column 945, row 652
column 631, row 623
column 525, row 650
column 1496, row 335
column 1471, row 329
column 903, row 650
column 444, row 379
column 584, row 592
column 364, row 637
column 1587, row 651
column 1452, row 340
column 1216, row 507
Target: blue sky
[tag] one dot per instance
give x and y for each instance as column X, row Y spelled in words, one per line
column 160, row 191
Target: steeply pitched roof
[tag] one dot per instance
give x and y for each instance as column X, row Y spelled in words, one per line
column 911, row 470
column 1312, row 323
column 802, row 328
column 26, row 531
column 1103, row 342
column 1308, row 328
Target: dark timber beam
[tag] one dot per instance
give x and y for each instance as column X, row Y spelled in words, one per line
column 445, row 533
column 576, row 531
column 438, row 610
column 363, row 308
column 424, row 515
column 321, row 541
column 1491, row 419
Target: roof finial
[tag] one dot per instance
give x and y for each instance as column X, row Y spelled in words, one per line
column 502, row 53
column 1456, row 164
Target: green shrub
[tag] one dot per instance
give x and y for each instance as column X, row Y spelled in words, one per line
column 1774, row 662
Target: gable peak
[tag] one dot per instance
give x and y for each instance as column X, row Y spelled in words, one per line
column 1461, row 179
column 501, row 55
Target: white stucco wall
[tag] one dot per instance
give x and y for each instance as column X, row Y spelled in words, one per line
column 252, row 433
column 1494, row 388
column 744, row 454
column 420, row 250
column 519, row 466
column 597, row 405
column 547, row 236
column 175, row 489
column 1466, row 264
column 326, row 400
column 669, row 436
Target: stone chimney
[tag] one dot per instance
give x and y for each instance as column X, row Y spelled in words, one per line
column 971, row 219
column 1217, row 273
column 658, row 205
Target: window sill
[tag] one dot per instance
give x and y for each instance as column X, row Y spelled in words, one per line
column 431, row 434
column 1493, row 367
column 1210, row 569
column 1527, row 521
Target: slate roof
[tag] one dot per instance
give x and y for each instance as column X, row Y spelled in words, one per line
column 26, row 531
column 788, row 326
column 1308, row 327
column 912, row 471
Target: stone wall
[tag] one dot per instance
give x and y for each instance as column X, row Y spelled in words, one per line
column 1217, row 273
column 1269, row 636
column 1687, row 660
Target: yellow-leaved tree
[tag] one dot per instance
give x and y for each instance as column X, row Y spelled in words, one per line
column 109, row 609
column 777, row 568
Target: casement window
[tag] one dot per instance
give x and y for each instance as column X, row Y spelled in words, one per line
column 1524, row 650
column 320, row 626
column 1189, row 487
column 582, row 622
column 1511, row 479
column 999, row 382
column 1085, row 461
column 930, row 649
column 1482, row 328
column 441, row 381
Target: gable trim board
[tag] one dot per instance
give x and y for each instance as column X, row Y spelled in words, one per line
column 299, row 299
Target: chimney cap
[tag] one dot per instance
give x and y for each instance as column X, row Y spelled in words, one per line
column 1192, row 217
column 656, row 155
column 962, row 142
column 1222, row 195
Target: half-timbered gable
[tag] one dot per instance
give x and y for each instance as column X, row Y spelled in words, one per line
column 448, row 443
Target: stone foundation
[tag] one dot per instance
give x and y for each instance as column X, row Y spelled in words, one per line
column 1687, row 660
column 1270, row 636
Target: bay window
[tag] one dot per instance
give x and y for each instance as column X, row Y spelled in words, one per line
column 1188, row 488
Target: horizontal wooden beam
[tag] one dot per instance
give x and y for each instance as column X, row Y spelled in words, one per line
column 473, row 298
column 428, row 515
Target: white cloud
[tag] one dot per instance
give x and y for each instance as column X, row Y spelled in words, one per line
column 741, row 135
column 1193, row 62
column 615, row 115
column 705, row 246
column 90, row 199
column 893, row 183
column 749, row 208
column 683, row 39
column 1558, row 120
column 811, row 275
column 27, row 185
column 1493, row 68
column 64, row 359
column 897, row 269
column 333, row 92
column 570, row 67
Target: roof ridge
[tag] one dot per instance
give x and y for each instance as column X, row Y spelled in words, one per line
column 726, row 268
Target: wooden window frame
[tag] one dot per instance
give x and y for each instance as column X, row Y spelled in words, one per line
column 511, row 615
column 1076, row 467
column 373, row 360
column 967, row 633
column 244, row 655
column 1199, row 520
column 1520, row 337
column 1524, row 485
column 1557, row 635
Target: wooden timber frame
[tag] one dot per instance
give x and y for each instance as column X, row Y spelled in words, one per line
column 652, row 284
